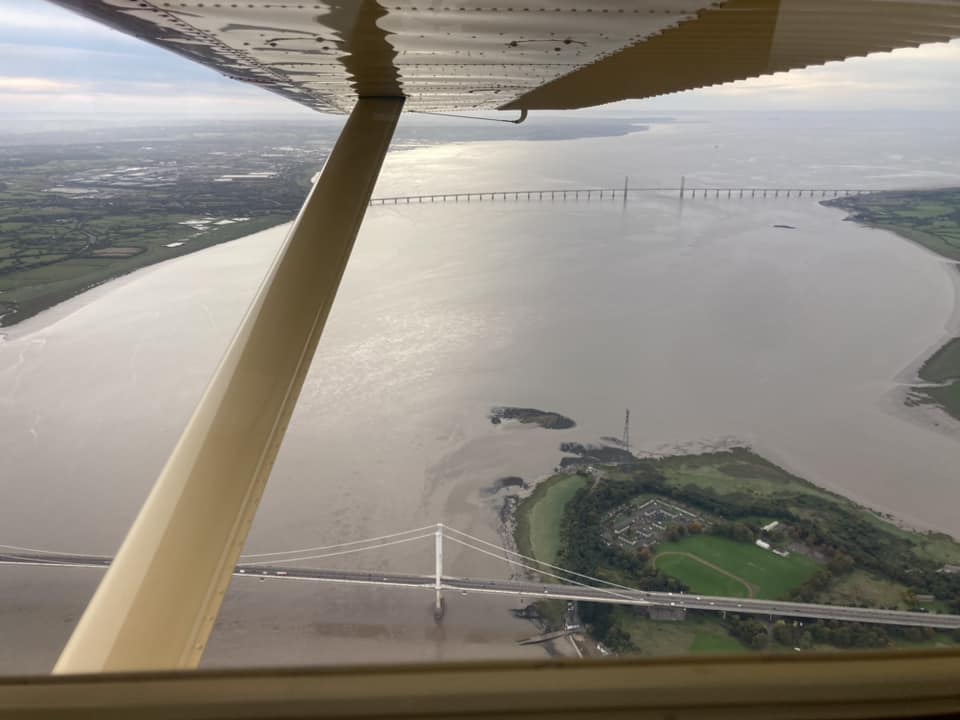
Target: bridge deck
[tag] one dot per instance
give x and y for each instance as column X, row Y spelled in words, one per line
column 623, row 194
column 540, row 590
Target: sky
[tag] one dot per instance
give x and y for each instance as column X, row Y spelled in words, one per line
column 53, row 62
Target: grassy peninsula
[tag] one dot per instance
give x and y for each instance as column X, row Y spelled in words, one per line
column 732, row 523
column 930, row 218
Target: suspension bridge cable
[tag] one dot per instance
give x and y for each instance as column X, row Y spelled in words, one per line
column 544, row 572
column 540, row 562
column 36, row 562
column 19, row 548
column 338, row 545
column 341, row 552
column 48, row 552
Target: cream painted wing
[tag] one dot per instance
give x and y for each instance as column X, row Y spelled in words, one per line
column 503, row 54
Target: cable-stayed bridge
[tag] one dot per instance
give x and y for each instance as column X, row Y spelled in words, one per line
column 563, row 584
column 620, row 193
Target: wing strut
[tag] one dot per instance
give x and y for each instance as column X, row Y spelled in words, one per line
column 156, row 606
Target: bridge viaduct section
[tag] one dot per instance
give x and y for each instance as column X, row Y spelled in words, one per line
column 623, row 194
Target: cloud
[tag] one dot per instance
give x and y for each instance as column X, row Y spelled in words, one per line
column 150, row 101
column 923, row 78
column 32, row 85
column 29, row 16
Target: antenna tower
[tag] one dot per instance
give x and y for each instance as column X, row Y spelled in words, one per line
column 626, row 431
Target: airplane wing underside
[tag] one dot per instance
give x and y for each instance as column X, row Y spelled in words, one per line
column 447, row 55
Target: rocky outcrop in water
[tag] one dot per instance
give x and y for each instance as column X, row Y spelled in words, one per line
column 543, row 418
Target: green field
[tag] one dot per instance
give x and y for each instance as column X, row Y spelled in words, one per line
column 696, row 634
column 927, row 217
column 861, row 587
column 771, row 576
column 741, row 471
column 862, row 557
column 32, row 289
column 947, row 397
column 943, row 367
column 737, row 470
column 702, row 578
column 944, row 364
column 538, row 516
column 67, row 211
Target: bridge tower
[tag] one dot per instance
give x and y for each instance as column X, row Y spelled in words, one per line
column 626, row 431
column 438, row 607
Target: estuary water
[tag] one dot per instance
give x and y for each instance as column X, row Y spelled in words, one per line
column 713, row 326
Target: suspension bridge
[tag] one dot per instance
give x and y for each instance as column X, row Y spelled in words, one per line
column 533, row 579
column 621, row 193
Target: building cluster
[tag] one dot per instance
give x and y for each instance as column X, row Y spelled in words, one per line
column 764, row 545
column 646, row 524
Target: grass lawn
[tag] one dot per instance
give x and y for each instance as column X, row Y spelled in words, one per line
column 702, row 578
column 862, row 587
column 741, row 471
column 737, row 470
column 942, row 639
column 538, row 516
column 772, row 576
column 708, row 642
column 696, row 634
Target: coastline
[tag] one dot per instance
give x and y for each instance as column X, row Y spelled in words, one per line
column 820, row 555
column 902, row 213
column 23, row 312
column 58, row 311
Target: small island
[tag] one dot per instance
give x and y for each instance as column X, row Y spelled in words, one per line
column 733, row 524
column 543, row 418
column 930, row 218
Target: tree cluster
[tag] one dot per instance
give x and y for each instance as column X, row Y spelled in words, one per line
column 841, row 534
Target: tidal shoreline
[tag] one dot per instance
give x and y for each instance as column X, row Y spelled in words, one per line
column 925, row 218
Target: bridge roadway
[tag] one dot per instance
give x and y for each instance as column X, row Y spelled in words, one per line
column 539, row 590
column 615, row 193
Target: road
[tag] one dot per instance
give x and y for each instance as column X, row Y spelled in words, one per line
column 538, row 590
